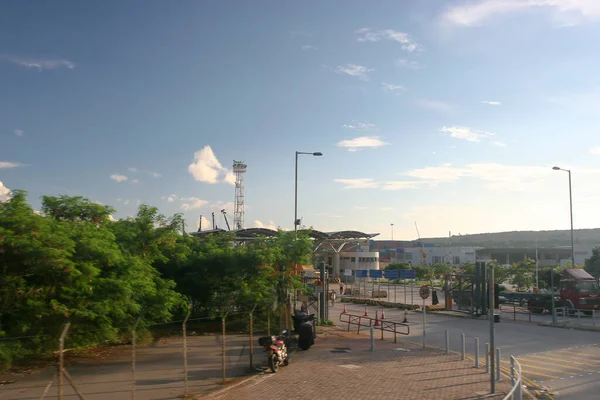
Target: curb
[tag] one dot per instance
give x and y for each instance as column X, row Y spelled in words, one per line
column 576, row 327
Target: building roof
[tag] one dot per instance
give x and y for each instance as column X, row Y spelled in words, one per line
column 251, row 233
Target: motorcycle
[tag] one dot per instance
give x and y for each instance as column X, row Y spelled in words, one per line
column 303, row 326
column 275, row 350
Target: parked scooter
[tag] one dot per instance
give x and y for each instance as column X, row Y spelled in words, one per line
column 304, row 327
column 275, row 350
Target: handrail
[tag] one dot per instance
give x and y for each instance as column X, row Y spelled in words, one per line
column 382, row 325
column 516, row 379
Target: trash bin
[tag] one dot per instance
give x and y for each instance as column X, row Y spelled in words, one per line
column 496, row 318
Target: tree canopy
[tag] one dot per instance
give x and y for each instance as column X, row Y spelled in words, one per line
column 72, row 262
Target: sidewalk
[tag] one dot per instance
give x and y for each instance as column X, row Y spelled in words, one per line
column 341, row 365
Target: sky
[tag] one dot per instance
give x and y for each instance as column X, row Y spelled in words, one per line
column 450, row 114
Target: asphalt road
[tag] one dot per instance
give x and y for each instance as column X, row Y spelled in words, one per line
column 565, row 361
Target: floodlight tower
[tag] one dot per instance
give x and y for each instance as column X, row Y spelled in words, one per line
column 239, row 169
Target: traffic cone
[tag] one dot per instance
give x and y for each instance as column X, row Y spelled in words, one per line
column 382, row 313
column 405, row 314
column 366, row 313
column 344, row 309
column 376, row 318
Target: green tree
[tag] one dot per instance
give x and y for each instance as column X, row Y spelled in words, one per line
column 398, row 266
column 523, row 274
column 592, row 265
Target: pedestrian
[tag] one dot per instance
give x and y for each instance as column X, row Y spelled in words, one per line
column 341, row 289
column 332, row 298
column 434, row 299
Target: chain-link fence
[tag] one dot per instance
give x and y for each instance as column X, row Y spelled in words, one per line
column 191, row 356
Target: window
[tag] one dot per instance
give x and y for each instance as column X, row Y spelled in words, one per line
column 456, row 260
column 437, row 259
column 352, row 259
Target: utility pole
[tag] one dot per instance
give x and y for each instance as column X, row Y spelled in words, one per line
column 492, row 333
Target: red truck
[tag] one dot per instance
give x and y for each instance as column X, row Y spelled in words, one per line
column 578, row 291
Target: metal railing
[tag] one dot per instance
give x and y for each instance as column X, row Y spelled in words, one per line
column 568, row 314
column 516, row 310
column 516, row 378
column 381, row 325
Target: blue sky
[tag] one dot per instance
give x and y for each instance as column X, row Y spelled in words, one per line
column 448, row 113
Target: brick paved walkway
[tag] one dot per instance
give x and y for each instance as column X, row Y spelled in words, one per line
column 393, row 371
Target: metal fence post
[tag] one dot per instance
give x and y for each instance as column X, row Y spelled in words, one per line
column 498, row 375
column 61, row 360
column 512, row 370
column 594, row 318
column 133, row 348
column 223, row 351
column 487, row 358
column 372, row 331
column 447, row 342
column 476, row 352
column 185, row 366
column 251, row 342
column 462, row 346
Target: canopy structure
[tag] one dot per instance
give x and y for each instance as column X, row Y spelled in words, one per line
column 252, row 233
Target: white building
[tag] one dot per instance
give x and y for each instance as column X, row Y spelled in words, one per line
column 436, row 255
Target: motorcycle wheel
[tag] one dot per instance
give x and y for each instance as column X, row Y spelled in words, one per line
column 273, row 363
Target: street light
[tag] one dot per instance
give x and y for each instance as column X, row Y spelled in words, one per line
column 392, row 225
column 571, row 208
column 296, row 222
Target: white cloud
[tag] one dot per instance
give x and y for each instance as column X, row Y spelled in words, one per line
column 308, row 47
column 206, row 168
column 468, row 134
column 498, row 144
column 193, row 203
column 408, row 64
column 172, row 198
column 359, row 183
column 595, row 150
column 362, row 142
column 9, row 164
column 155, row 174
column 568, row 12
column 358, row 126
column 19, row 132
column 491, row 103
column 269, row 225
column 434, row 105
column 127, row 202
column 4, row 193
column 132, row 169
column 39, row 63
column 118, row 177
column 368, row 35
column 135, row 181
column 400, row 185
column 390, row 87
column 112, row 218
column 358, row 71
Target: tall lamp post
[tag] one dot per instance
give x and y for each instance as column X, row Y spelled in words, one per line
column 296, row 222
column 571, row 208
column 392, row 225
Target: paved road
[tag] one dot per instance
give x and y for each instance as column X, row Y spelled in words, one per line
column 565, row 361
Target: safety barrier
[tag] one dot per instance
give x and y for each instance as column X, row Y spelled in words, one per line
column 516, row 378
column 516, row 311
column 569, row 314
column 382, row 325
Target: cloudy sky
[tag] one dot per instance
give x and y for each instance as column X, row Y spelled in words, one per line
column 447, row 113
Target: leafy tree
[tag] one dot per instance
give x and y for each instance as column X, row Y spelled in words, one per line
column 523, row 274
column 592, row 265
column 398, row 266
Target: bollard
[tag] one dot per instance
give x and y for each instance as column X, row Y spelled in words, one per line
column 512, row 370
column 498, row 375
column 447, row 342
column 594, row 318
column 372, row 331
column 476, row 352
column 462, row 346
column 487, row 358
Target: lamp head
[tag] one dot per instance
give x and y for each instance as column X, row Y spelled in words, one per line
column 317, row 153
column 556, row 168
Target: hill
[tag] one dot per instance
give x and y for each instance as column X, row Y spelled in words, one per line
column 520, row 238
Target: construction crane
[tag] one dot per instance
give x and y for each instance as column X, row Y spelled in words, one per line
column 225, row 216
column 423, row 255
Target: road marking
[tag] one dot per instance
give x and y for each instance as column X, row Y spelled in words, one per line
column 558, row 360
